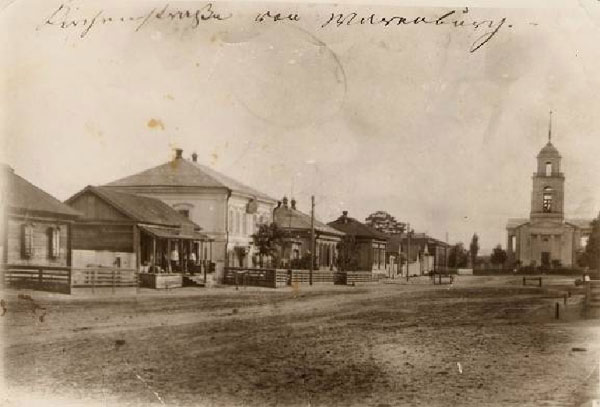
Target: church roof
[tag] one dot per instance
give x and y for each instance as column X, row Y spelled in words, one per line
column 580, row 223
column 516, row 222
column 181, row 172
column 549, row 150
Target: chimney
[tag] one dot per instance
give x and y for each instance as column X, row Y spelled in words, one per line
column 293, row 202
column 345, row 216
column 285, row 201
column 178, row 153
column 194, row 157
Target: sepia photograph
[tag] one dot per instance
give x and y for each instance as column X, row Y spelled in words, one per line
column 248, row 204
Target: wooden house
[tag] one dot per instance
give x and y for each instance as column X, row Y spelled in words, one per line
column 296, row 227
column 119, row 229
column 36, row 235
column 364, row 248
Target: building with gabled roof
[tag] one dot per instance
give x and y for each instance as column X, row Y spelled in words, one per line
column 132, row 231
column 365, row 247
column 227, row 210
column 36, row 229
column 296, row 226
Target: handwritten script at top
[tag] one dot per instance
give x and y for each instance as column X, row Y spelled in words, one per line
column 67, row 17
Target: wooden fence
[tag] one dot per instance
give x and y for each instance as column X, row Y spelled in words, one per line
column 318, row 276
column 103, row 279
column 67, row 280
column 46, row 278
column 275, row 278
column 272, row 278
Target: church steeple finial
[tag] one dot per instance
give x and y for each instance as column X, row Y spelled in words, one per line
column 550, row 128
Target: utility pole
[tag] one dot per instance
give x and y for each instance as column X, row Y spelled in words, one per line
column 312, row 239
column 407, row 250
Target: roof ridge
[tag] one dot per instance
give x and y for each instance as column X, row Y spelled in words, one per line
column 62, row 208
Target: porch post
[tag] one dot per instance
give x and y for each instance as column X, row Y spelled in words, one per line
column 154, row 250
column 169, row 269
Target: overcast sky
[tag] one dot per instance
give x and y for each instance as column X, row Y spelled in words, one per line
column 403, row 119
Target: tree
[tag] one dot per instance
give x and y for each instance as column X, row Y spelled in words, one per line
column 474, row 249
column 591, row 255
column 347, row 259
column 386, row 223
column 458, row 256
column 498, row 256
column 268, row 240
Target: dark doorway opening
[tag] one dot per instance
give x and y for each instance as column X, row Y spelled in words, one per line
column 545, row 259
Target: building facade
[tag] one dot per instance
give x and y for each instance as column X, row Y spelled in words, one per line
column 296, row 227
column 364, row 248
column 547, row 239
column 123, row 230
column 36, row 228
column 227, row 210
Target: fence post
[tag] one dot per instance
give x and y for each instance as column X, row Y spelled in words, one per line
column 113, row 281
column 523, row 280
column 565, row 300
column 557, row 313
column 40, row 276
column 540, row 281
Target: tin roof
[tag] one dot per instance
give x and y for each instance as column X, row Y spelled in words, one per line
column 182, row 172
column 22, row 196
column 287, row 217
column 353, row 227
column 139, row 208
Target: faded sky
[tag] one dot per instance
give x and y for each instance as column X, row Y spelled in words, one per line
column 402, row 119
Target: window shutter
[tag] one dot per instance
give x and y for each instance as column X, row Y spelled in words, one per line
column 27, row 240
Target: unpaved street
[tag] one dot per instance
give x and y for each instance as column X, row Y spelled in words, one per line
column 479, row 342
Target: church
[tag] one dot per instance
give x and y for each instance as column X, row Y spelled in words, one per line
column 546, row 238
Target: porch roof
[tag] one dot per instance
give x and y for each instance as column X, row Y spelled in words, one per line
column 173, row 233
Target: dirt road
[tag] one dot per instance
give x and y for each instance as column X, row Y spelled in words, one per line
column 478, row 342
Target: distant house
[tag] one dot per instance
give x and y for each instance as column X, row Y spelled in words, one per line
column 36, row 228
column 119, row 229
column 297, row 228
column 365, row 248
column 227, row 210
column 425, row 253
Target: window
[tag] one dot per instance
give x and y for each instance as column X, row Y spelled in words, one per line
column 184, row 212
column 547, row 200
column 512, row 242
column 27, row 241
column 54, row 247
column 548, row 168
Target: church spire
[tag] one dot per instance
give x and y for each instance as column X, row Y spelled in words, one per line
column 550, row 128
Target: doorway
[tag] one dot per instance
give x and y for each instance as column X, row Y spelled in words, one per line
column 545, row 259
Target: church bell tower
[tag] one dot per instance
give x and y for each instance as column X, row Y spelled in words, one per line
column 547, row 197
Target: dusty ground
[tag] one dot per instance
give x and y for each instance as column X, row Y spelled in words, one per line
column 482, row 341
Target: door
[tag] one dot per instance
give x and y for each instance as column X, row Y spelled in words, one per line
column 545, row 259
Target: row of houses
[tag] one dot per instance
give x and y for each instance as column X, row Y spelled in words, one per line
column 183, row 217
